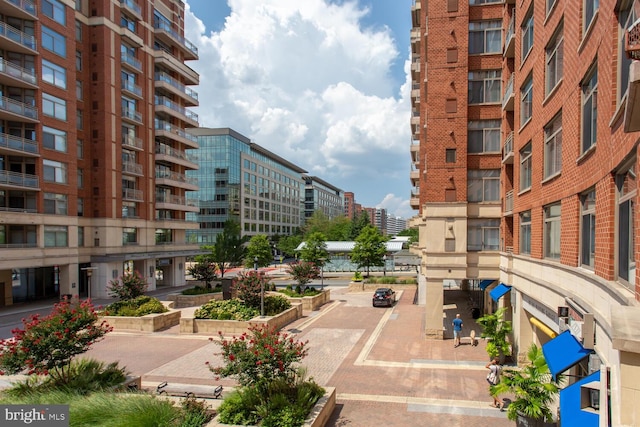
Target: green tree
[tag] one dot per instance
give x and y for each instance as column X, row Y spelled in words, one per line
column 203, row 270
column 229, row 250
column 361, row 221
column 258, row 248
column 369, row 249
column 317, row 223
column 303, row 272
column 413, row 234
column 315, row 249
column 340, row 229
column 128, row 286
column 289, row 244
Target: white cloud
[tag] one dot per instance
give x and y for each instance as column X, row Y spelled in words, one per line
column 307, row 81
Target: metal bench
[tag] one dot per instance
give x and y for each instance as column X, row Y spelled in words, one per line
column 185, row 390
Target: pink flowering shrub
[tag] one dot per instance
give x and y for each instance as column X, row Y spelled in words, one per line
column 303, row 272
column 128, row 286
column 47, row 344
column 260, row 356
column 248, row 286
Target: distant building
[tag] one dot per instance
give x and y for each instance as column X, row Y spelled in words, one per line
column 243, row 181
column 349, row 204
column 395, row 224
column 319, row 195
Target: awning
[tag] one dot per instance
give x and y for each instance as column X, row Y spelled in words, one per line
column 563, row 352
column 572, row 404
column 484, row 284
column 499, row 291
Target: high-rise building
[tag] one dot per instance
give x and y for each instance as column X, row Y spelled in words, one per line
column 92, row 145
column 525, row 131
column 349, row 204
column 242, row 181
column 319, row 195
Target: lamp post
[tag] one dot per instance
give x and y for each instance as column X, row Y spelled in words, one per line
column 322, row 260
column 384, row 268
column 255, row 267
column 89, row 271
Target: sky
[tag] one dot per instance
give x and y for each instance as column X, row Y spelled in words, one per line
column 324, row 84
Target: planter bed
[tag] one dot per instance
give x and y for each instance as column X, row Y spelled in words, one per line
column 318, row 417
column 190, row 325
column 371, row 287
column 309, row 303
column 182, row 301
column 148, row 323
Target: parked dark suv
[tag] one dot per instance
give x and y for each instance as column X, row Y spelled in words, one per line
column 384, row 297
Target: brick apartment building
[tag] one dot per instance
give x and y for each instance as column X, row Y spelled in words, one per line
column 525, row 125
column 92, row 145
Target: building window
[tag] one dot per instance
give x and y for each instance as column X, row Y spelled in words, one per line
column 80, row 206
column 477, row 2
column 526, row 101
column 78, row 31
column 54, row 41
column 626, row 187
column 79, row 119
column 527, row 34
column 163, row 236
column 80, row 237
column 483, row 185
column 53, row 106
column 129, row 209
column 485, row 37
column 55, row 204
column 588, row 228
column 554, row 57
column 78, row 60
column 129, row 236
column 54, row 139
column 127, row 22
column 626, row 17
column 552, row 231
column 553, row 147
column 485, row 86
column 54, row 74
column 589, row 109
column 79, row 90
column 55, row 236
column 80, row 149
column 525, row 233
column 483, row 136
column 54, row 171
column 483, row 234
column 590, row 8
column 54, row 9
column 525, row 167
column 550, row 4
column 80, row 178
column 450, row 155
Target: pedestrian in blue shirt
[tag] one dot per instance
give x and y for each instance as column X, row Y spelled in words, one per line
column 457, row 330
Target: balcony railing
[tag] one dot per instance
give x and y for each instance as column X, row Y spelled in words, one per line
column 131, row 60
column 164, row 26
column 132, row 194
column 132, row 168
column 175, row 176
column 131, row 87
column 507, row 149
column 509, row 41
column 161, row 125
column 17, row 36
column 17, row 107
column 16, row 71
column 172, row 152
column 166, row 102
column 131, row 114
column 19, row 179
column 26, row 5
column 164, row 77
column 132, row 141
column 632, row 41
column 132, row 5
column 508, row 201
column 18, row 144
column 507, row 101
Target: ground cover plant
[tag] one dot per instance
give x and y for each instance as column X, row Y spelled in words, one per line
column 201, row 290
column 389, row 280
column 299, row 292
column 136, row 307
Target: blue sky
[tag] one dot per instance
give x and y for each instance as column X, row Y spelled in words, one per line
column 321, row 83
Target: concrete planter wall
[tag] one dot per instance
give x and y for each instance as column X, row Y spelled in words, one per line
column 190, row 325
column 318, row 417
column 310, row 303
column 371, row 287
column 182, row 301
column 148, row 323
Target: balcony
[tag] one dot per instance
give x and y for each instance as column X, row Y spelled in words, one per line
column 175, row 179
column 132, row 142
column 176, row 203
column 169, row 84
column 14, row 75
column 414, row 176
column 415, row 153
column 132, row 7
column 632, row 110
column 509, row 39
column 16, row 180
column 131, row 88
column 19, row 111
column 130, row 61
column 507, row 150
column 415, row 13
column 131, row 168
column 415, row 92
column 23, row 9
column 167, row 130
column 171, row 108
column 131, row 194
column 12, row 39
column 131, row 115
column 169, row 154
column 415, row 118
column 508, row 203
column 14, row 145
column 509, row 96
column 167, row 34
column 170, row 62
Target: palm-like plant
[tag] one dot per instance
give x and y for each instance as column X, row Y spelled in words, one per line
column 497, row 330
column 533, row 387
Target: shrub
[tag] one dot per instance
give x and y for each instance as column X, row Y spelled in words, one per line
column 47, row 345
column 275, row 304
column 357, row 277
column 308, row 292
column 249, row 286
column 200, row 290
column 128, row 286
column 136, row 307
column 303, row 272
column 232, row 309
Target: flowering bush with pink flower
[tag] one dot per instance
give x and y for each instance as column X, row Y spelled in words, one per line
column 128, row 286
column 47, row 345
column 249, row 285
column 303, row 272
